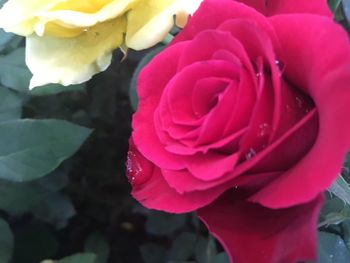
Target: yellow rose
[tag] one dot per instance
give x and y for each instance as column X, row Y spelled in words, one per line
column 67, row 41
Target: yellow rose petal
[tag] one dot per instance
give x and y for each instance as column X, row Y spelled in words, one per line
column 73, row 60
column 72, row 18
column 151, row 20
column 18, row 16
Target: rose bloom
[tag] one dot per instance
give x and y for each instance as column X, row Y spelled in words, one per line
column 244, row 118
column 70, row 40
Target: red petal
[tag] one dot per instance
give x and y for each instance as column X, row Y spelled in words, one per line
column 251, row 233
column 150, row 89
column 155, row 193
column 275, row 7
column 309, row 49
column 212, row 13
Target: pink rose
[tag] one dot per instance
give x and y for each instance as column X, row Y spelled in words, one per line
column 245, row 118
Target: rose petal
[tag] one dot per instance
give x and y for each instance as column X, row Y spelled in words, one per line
column 327, row 83
column 211, row 14
column 73, row 60
column 149, row 89
column 151, row 20
column 275, row 7
column 154, row 192
column 252, row 233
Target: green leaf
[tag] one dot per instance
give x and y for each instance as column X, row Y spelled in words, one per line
column 341, row 189
column 183, row 246
column 55, row 209
column 153, row 253
column 205, row 250
column 97, row 244
column 346, row 8
column 332, row 249
column 6, row 242
column 10, row 105
column 30, row 149
column 133, row 84
column 334, row 4
column 77, row 258
column 160, row 223
column 14, row 72
column 221, row 258
column 5, row 38
column 52, row 89
column 346, row 233
column 17, row 198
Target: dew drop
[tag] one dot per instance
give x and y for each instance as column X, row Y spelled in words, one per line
column 235, row 187
column 264, row 130
column 250, row 154
column 258, row 75
column 137, row 171
column 197, row 114
column 300, row 102
column 279, row 64
column 288, row 108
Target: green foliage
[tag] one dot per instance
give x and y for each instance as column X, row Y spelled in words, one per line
column 160, row 223
column 205, row 250
column 30, row 149
column 14, row 73
column 332, row 249
column 153, row 253
column 10, row 105
column 341, row 189
column 183, row 246
column 6, row 242
column 98, row 245
column 77, row 258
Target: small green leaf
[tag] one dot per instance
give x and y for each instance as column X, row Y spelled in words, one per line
column 205, row 250
column 55, row 209
column 14, row 73
column 133, row 84
column 160, row 223
column 52, row 89
column 334, row 4
column 10, row 105
column 221, row 258
column 6, row 242
column 30, row 149
column 183, row 247
column 97, row 244
column 77, row 258
column 341, row 189
column 4, row 38
column 332, row 249
column 153, row 253
column 346, row 8
column 17, row 198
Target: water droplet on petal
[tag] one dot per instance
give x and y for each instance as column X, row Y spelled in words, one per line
column 250, row 154
column 264, row 130
column 300, row 102
column 288, row 108
column 279, row 64
column 258, row 75
column 235, row 187
column 138, row 169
